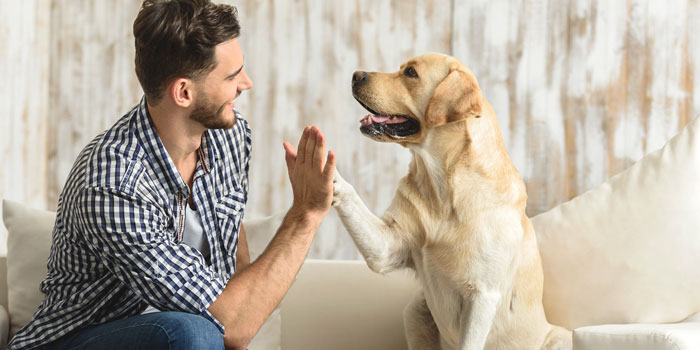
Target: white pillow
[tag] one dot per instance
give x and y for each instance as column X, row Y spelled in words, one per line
column 629, row 250
column 28, row 247
column 259, row 232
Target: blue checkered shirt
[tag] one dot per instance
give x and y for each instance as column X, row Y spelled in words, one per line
column 117, row 238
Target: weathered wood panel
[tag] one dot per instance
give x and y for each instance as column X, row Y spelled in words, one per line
column 92, row 81
column 24, row 68
column 582, row 88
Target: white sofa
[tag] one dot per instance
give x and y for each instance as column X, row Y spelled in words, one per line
column 621, row 265
column 342, row 305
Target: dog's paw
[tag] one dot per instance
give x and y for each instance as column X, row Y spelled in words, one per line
column 341, row 189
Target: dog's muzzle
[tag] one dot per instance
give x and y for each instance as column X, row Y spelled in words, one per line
column 377, row 124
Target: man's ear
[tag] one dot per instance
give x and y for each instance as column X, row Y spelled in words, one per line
column 181, row 91
column 456, row 97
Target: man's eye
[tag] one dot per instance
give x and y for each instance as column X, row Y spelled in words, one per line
column 410, row 72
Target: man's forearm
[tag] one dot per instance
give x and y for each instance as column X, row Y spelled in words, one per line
column 252, row 294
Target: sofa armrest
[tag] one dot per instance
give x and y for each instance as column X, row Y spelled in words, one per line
column 4, row 327
column 3, row 281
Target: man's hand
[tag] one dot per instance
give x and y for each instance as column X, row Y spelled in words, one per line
column 311, row 174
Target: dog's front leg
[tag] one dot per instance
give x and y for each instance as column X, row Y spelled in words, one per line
column 476, row 318
column 376, row 241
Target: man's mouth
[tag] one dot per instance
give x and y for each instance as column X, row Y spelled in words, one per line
column 231, row 104
column 393, row 125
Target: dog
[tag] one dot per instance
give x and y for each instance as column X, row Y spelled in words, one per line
column 457, row 219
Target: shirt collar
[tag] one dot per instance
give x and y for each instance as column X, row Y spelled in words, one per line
column 207, row 154
column 160, row 159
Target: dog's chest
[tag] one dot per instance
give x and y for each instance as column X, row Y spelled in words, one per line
column 450, row 269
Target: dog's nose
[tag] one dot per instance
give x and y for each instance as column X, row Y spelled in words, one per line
column 358, row 77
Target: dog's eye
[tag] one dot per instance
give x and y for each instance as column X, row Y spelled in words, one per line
column 410, row 72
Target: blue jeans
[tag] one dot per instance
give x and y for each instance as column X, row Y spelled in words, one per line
column 158, row 330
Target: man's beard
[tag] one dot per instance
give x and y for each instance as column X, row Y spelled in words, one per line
column 210, row 115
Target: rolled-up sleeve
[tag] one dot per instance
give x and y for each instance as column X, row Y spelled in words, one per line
column 131, row 238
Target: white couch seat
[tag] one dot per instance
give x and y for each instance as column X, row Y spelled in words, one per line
column 672, row 336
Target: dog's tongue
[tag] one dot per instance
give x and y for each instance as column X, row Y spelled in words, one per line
column 379, row 118
column 369, row 118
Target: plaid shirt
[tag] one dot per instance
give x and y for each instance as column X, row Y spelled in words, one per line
column 116, row 242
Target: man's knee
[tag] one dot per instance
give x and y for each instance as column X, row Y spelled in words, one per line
column 188, row 331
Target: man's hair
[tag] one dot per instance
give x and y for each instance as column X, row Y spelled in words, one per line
column 177, row 38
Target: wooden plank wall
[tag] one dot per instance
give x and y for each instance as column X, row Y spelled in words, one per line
column 24, row 71
column 582, row 89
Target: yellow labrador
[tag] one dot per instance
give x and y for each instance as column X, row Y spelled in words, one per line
column 458, row 217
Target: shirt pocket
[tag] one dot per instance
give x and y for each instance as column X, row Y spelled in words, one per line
column 229, row 214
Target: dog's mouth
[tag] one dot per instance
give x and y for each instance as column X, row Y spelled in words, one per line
column 393, row 125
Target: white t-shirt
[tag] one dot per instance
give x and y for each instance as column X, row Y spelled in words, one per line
column 193, row 236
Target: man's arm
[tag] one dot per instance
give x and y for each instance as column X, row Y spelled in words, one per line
column 252, row 294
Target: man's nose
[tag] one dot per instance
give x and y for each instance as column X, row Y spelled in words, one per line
column 359, row 78
column 246, row 83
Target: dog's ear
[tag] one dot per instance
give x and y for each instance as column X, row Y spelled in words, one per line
column 456, row 97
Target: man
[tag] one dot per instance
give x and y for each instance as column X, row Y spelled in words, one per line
column 148, row 232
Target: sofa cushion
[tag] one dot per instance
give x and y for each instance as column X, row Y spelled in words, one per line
column 627, row 251
column 683, row 335
column 343, row 305
column 28, row 246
